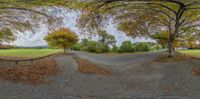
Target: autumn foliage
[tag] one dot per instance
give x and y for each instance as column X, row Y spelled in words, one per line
column 87, row 67
column 34, row 74
column 62, row 38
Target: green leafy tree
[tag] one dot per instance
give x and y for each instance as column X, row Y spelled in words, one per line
column 107, row 39
column 92, row 46
column 84, row 42
column 157, row 47
column 115, row 49
column 144, row 17
column 62, row 38
column 95, row 47
column 143, row 46
column 111, row 40
column 77, row 47
column 81, row 46
column 126, row 47
column 101, row 48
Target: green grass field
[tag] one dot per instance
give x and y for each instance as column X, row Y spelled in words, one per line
column 28, row 52
column 191, row 52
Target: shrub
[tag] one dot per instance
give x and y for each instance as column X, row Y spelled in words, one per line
column 91, row 47
column 115, row 49
column 143, row 47
column 84, row 48
column 157, row 47
column 101, row 48
column 95, row 47
column 126, row 47
column 77, row 47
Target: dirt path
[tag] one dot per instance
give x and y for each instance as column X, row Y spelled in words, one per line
column 134, row 77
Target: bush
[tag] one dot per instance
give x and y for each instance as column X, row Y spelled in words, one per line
column 157, row 47
column 126, row 47
column 115, row 49
column 91, row 46
column 77, row 47
column 84, row 48
column 101, row 48
column 143, row 47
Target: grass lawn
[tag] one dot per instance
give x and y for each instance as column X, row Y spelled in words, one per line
column 28, row 52
column 191, row 52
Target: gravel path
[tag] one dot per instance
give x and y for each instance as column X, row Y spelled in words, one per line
column 135, row 76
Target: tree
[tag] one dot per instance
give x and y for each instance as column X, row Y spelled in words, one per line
column 84, row 42
column 145, row 17
column 190, row 39
column 95, row 47
column 23, row 15
column 82, row 46
column 111, row 40
column 126, row 47
column 106, row 39
column 143, row 46
column 77, row 47
column 115, row 49
column 6, row 35
column 62, row 38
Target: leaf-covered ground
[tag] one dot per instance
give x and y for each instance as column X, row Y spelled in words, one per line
column 32, row 73
column 88, row 67
column 134, row 76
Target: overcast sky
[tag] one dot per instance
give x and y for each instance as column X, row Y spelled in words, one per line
column 69, row 21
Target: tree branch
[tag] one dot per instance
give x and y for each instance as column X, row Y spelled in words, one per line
column 25, row 9
column 163, row 6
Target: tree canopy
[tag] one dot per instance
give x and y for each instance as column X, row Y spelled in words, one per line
column 6, row 35
column 145, row 17
column 62, row 38
column 106, row 39
column 23, row 15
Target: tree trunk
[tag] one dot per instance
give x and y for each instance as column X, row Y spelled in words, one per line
column 171, row 47
column 65, row 52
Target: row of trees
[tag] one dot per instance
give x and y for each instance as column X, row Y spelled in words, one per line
column 66, row 39
column 126, row 46
column 178, row 18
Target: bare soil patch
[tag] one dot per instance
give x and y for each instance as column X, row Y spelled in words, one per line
column 87, row 67
column 34, row 73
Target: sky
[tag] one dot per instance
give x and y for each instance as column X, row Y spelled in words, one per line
column 30, row 39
